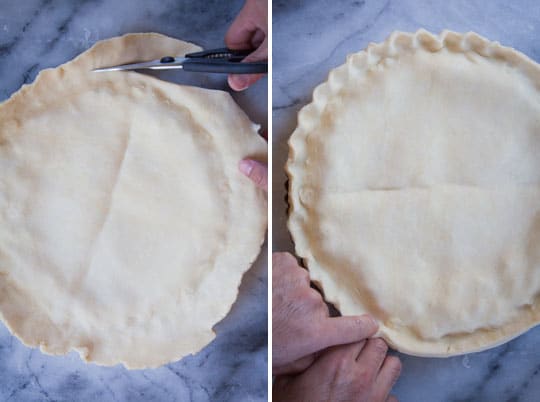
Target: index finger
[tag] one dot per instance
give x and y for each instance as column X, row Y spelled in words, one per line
column 343, row 330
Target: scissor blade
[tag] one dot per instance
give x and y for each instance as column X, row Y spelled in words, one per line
column 152, row 65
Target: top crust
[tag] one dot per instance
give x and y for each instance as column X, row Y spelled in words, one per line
column 415, row 190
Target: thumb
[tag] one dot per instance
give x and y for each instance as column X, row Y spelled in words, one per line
column 239, row 82
column 342, row 330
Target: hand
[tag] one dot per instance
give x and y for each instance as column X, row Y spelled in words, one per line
column 256, row 171
column 249, row 30
column 359, row 372
column 301, row 324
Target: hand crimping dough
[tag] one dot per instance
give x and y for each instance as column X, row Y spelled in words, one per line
column 125, row 226
column 415, row 190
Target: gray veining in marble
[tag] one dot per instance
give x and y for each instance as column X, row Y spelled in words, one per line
column 310, row 38
column 35, row 34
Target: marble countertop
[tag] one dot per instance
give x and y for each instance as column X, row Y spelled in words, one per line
column 318, row 35
column 36, row 34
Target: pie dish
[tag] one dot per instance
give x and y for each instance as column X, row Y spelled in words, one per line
column 414, row 190
column 125, row 225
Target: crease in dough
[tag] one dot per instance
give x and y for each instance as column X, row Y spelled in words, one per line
column 78, row 281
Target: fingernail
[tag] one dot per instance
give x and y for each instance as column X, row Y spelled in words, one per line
column 246, row 166
column 238, row 82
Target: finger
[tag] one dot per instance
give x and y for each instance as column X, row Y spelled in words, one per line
column 343, row 330
column 372, row 358
column 256, row 171
column 284, row 264
column 240, row 32
column 240, row 38
column 283, row 261
column 392, row 398
column 387, row 377
column 295, row 367
column 251, row 18
column 239, row 82
column 259, row 54
column 337, row 358
column 349, row 351
column 287, row 274
column 258, row 38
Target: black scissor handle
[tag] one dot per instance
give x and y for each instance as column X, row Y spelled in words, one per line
column 223, row 60
column 221, row 53
column 225, row 66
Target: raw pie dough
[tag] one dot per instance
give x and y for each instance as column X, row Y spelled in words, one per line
column 125, row 225
column 415, row 190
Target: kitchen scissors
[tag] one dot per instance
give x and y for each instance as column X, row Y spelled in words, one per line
column 222, row 60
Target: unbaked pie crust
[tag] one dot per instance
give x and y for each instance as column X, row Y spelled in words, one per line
column 125, row 225
column 415, row 190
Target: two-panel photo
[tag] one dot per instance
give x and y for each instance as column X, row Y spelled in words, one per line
column 257, row 200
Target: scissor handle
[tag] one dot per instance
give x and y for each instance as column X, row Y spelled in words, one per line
column 223, row 60
column 221, row 53
column 224, row 66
